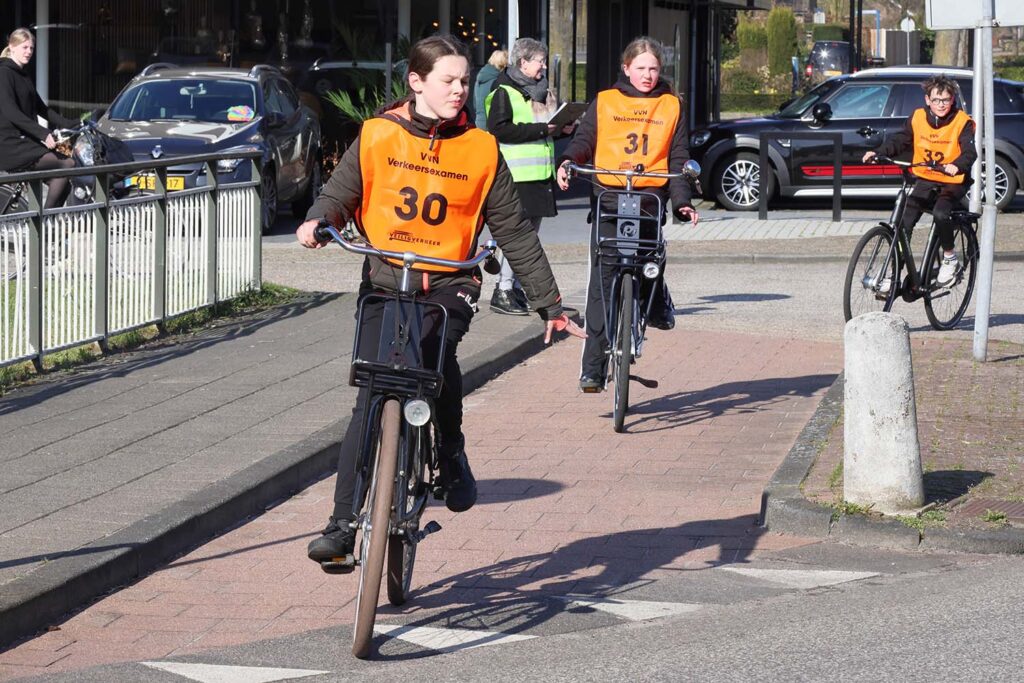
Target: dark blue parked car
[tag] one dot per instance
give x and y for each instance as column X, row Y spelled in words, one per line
column 169, row 111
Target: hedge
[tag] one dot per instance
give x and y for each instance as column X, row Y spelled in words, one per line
column 828, row 32
column 750, row 102
column 751, row 36
column 781, row 40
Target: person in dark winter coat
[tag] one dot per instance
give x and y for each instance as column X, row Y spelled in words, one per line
column 639, row 120
column 425, row 146
column 518, row 108
column 484, row 82
column 26, row 145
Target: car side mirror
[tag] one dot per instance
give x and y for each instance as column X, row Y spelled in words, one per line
column 821, row 112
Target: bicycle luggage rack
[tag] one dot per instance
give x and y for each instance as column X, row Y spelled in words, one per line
column 398, row 368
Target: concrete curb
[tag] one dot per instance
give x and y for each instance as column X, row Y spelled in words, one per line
column 784, row 508
column 52, row 591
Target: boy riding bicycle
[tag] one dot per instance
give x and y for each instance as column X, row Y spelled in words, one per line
column 942, row 133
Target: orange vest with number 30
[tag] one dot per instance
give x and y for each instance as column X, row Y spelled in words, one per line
column 634, row 130
column 941, row 145
column 422, row 198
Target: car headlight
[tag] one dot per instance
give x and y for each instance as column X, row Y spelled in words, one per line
column 227, row 165
column 84, row 151
column 700, row 138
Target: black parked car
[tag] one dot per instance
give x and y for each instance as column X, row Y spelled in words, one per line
column 175, row 111
column 828, row 58
column 865, row 107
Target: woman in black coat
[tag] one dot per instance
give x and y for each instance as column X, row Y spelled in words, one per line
column 26, row 145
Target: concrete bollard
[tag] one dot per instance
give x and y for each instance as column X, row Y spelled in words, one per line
column 882, row 456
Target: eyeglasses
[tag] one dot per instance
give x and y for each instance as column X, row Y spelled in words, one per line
column 539, row 60
column 942, row 100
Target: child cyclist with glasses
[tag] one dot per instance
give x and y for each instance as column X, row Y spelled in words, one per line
column 942, row 133
column 421, row 173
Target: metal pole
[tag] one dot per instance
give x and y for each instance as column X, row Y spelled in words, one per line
column 572, row 63
column 988, row 227
column 976, row 113
column 43, row 49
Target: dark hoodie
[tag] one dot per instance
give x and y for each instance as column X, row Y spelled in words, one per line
column 21, row 136
column 903, row 140
column 584, row 142
column 342, row 196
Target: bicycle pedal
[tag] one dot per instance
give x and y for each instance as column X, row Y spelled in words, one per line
column 339, row 565
column 431, row 527
column 591, row 390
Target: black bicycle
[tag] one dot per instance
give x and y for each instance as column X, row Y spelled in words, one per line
column 631, row 259
column 397, row 466
column 875, row 276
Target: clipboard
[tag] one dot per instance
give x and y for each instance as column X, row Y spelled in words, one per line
column 567, row 113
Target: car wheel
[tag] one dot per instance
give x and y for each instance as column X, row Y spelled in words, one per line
column 736, row 182
column 316, row 183
column 1005, row 182
column 268, row 183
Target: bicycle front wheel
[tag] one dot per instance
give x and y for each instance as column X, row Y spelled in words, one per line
column 375, row 530
column 622, row 352
column 401, row 551
column 871, row 277
column 946, row 305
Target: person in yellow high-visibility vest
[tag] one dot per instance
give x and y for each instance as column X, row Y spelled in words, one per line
column 942, row 133
column 517, row 109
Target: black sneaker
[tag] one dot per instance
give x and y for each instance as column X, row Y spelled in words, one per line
column 334, row 549
column 665, row 321
column 457, row 478
column 591, row 384
column 504, row 301
column 522, row 299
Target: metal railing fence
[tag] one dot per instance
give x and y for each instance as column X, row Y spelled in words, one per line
column 79, row 274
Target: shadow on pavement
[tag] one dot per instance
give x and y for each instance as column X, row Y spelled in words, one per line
column 749, row 297
column 945, row 485
column 119, row 364
column 517, row 595
column 688, row 407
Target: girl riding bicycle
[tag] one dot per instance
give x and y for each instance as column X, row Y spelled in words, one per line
column 942, row 133
column 26, row 144
column 420, row 177
column 639, row 120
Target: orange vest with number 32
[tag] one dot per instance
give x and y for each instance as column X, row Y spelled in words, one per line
column 941, row 145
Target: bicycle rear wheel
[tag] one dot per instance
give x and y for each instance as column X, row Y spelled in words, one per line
column 401, row 552
column 622, row 352
column 945, row 306
column 871, row 267
column 375, row 532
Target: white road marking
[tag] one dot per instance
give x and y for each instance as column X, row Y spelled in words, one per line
column 803, row 579
column 214, row 673
column 634, row 610
column 447, row 639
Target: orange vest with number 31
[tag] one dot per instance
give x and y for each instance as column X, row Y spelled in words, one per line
column 634, row 130
column 422, row 198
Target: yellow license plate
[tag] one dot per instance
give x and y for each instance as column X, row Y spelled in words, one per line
column 148, row 182
column 832, row 72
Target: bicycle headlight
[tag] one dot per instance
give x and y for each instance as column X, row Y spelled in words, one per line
column 84, row 151
column 651, row 270
column 417, row 412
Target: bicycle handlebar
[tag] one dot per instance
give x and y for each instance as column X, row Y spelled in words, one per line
column 586, row 169
column 325, row 232
column 879, row 159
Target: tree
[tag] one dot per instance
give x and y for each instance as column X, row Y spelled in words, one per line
column 781, row 40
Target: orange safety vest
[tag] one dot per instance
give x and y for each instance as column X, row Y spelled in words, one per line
column 941, row 145
column 634, row 130
column 422, row 199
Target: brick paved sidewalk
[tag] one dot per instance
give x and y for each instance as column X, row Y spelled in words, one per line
column 970, row 422
column 567, row 505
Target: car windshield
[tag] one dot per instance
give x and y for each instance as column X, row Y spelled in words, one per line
column 797, row 107
column 187, row 99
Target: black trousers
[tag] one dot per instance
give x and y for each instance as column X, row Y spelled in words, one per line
column 941, row 198
column 599, row 292
column 461, row 305
column 58, row 187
